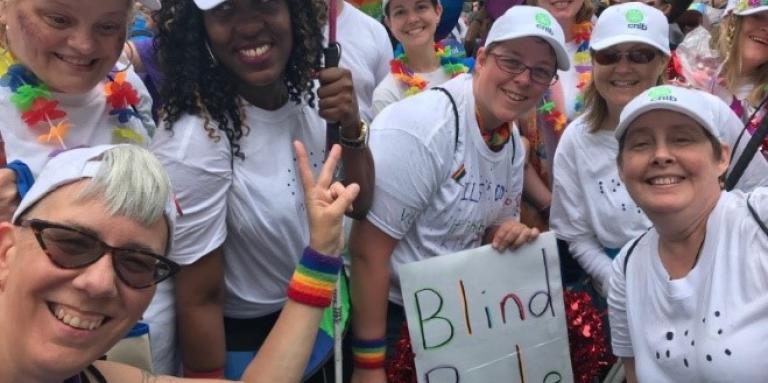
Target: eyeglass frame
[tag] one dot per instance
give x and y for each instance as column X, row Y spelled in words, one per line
column 39, row 225
column 554, row 76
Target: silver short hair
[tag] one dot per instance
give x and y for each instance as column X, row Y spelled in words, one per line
column 132, row 183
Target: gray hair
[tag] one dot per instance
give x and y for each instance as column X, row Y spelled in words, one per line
column 132, row 183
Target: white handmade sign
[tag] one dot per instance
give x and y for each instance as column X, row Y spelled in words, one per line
column 480, row 316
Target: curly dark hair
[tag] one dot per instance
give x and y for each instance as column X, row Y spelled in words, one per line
column 196, row 85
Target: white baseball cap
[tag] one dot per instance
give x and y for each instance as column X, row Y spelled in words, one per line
column 745, row 7
column 153, row 5
column 207, row 4
column 631, row 23
column 714, row 115
column 529, row 21
column 72, row 166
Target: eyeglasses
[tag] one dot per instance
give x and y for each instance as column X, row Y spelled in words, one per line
column 513, row 66
column 69, row 248
column 636, row 56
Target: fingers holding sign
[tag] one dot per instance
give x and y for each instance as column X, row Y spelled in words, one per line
column 326, row 201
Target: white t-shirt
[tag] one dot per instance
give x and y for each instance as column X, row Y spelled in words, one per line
column 366, row 52
column 709, row 326
column 591, row 209
column 253, row 207
column 88, row 115
column 433, row 197
column 391, row 90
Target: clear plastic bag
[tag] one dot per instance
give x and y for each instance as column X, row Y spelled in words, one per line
column 699, row 64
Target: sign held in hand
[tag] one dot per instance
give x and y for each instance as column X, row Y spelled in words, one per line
column 480, row 316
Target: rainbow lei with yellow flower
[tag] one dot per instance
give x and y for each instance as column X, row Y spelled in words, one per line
column 582, row 62
column 42, row 114
column 452, row 62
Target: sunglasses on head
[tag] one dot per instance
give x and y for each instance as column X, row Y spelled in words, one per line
column 70, row 248
column 636, row 56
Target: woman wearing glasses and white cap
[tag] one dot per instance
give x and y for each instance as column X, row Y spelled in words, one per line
column 591, row 209
column 62, row 85
column 449, row 173
column 687, row 299
column 80, row 261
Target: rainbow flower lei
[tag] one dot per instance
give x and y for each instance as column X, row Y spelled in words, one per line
column 583, row 65
column 453, row 64
column 41, row 112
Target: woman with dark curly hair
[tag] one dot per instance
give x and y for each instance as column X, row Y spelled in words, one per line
column 239, row 89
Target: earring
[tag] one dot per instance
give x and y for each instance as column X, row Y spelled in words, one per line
column 214, row 63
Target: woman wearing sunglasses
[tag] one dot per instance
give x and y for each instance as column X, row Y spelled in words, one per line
column 62, row 86
column 591, row 209
column 87, row 246
column 688, row 297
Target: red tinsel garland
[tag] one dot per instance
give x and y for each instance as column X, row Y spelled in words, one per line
column 587, row 343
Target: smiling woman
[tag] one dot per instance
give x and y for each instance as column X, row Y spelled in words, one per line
column 61, row 85
column 687, row 297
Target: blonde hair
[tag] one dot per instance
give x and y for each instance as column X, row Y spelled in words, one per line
column 725, row 40
column 584, row 14
column 595, row 106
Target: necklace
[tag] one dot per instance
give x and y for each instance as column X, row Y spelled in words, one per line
column 43, row 116
column 496, row 138
column 453, row 63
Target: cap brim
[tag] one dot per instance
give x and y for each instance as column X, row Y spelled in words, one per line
column 153, row 5
column 616, row 40
column 621, row 129
column 205, row 5
column 752, row 11
column 561, row 55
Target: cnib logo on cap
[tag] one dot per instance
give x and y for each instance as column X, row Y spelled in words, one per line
column 661, row 93
column 635, row 19
column 544, row 23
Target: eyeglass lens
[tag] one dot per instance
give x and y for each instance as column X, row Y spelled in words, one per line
column 637, row 56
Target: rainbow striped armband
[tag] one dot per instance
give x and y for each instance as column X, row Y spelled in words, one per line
column 314, row 279
column 368, row 354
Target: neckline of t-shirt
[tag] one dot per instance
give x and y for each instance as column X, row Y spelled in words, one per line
column 684, row 287
column 75, row 100
column 285, row 112
column 477, row 138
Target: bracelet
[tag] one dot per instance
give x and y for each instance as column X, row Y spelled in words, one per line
column 314, row 280
column 212, row 374
column 24, row 177
column 368, row 354
column 361, row 141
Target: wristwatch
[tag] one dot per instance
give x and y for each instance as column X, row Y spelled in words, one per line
column 359, row 142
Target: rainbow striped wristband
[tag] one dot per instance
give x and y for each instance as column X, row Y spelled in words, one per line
column 314, row 280
column 368, row 354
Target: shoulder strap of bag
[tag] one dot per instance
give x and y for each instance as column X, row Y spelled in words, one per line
column 756, row 216
column 631, row 249
column 455, row 116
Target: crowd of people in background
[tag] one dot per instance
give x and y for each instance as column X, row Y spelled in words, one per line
column 194, row 175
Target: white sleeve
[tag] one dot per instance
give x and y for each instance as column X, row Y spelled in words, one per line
column 386, row 54
column 409, row 168
column 386, row 93
column 621, row 341
column 569, row 218
column 201, row 174
column 145, row 103
column 756, row 172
